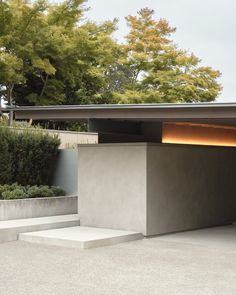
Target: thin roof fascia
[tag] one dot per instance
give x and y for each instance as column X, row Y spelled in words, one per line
column 129, row 112
column 125, row 106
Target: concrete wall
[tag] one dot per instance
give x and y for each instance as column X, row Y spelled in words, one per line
column 189, row 187
column 65, row 172
column 69, row 139
column 39, row 207
column 155, row 188
column 112, row 186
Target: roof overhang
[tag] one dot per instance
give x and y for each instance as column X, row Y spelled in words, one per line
column 216, row 113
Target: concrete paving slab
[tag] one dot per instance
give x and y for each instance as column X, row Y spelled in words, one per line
column 9, row 229
column 81, row 237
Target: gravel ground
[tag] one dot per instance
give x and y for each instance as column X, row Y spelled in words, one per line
column 197, row 262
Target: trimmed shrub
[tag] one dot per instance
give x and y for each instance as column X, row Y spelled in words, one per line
column 15, row 191
column 57, row 191
column 14, row 194
column 40, row 191
column 26, row 157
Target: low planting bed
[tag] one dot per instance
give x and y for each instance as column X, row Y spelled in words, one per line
column 19, row 202
column 26, row 165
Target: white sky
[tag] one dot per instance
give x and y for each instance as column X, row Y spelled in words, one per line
column 204, row 27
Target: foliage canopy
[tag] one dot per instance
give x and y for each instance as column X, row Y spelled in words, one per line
column 50, row 54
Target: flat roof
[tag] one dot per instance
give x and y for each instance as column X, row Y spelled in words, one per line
column 223, row 113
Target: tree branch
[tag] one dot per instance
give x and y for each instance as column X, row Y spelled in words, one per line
column 44, row 85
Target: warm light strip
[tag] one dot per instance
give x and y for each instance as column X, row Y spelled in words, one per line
column 198, row 134
column 203, row 125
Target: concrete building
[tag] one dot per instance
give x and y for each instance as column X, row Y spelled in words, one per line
column 157, row 168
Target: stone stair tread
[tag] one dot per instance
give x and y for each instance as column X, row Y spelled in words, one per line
column 37, row 220
column 10, row 229
column 81, row 237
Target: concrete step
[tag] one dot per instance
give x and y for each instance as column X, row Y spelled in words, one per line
column 80, row 237
column 9, row 229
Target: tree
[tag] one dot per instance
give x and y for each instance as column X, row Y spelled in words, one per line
column 50, row 55
column 60, row 58
column 18, row 21
column 161, row 71
column 11, row 73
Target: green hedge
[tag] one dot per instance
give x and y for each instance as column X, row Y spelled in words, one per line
column 15, row 191
column 26, row 157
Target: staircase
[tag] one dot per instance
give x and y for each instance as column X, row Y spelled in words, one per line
column 10, row 229
column 62, row 230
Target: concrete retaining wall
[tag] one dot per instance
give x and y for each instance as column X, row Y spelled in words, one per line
column 39, row 207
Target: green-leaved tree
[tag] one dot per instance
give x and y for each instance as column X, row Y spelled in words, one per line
column 50, row 54
column 161, row 72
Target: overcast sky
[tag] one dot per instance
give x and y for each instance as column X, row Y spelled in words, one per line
column 204, row 27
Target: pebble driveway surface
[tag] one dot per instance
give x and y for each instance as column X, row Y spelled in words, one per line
column 199, row 262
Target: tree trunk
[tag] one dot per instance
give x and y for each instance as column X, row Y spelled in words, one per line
column 9, row 98
column 1, row 114
column 135, row 77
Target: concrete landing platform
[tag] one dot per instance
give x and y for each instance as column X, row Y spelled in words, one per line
column 9, row 229
column 80, row 237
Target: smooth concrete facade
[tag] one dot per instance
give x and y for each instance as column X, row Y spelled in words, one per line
column 112, row 186
column 156, row 188
column 189, row 187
